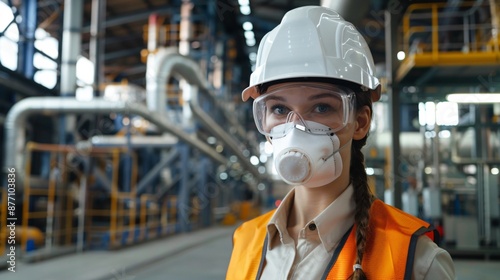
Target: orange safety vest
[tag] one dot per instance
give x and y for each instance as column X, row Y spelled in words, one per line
column 389, row 252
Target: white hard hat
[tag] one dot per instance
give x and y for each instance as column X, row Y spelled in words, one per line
column 314, row 42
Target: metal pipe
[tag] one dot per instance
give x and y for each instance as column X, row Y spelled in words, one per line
column 26, row 197
column 114, row 199
column 136, row 141
column 70, row 49
column 96, row 45
column 185, row 32
column 27, row 46
column 223, row 135
column 436, row 158
column 166, row 62
column 132, row 206
column 394, row 105
column 152, row 32
column 101, row 178
column 49, row 230
column 153, row 173
column 15, row 123
column 183, row 206
column 71, row 42
column 134, row 16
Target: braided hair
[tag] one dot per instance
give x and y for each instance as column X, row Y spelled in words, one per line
column 362, row 194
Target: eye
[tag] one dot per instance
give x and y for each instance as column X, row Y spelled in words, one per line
column 280, row 110
column 323, row 108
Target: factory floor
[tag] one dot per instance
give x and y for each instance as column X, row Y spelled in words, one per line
column 201, row 254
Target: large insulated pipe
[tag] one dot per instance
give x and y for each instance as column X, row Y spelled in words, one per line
column 166, row 62
column 71, row 42
column 70, row 50
column 15, row 123
column 71, row 47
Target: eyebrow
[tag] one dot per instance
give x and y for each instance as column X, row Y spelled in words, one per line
column 320, row 95
column 311, row 98
column 274, row 98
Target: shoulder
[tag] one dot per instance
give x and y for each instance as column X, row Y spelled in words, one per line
column 387, row 215
column 381, row 207
column 256, row 224
column 431, row 261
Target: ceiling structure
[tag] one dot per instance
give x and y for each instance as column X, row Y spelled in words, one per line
column 125, row 24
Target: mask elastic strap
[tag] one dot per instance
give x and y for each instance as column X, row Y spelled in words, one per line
column 338, row 150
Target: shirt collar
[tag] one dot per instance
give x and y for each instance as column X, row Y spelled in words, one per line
column 332, row 223
column 278, row 222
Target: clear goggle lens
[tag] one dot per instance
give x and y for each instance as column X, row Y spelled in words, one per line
column 283, row 108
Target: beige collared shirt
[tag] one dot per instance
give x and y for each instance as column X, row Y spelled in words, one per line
column 316, row 242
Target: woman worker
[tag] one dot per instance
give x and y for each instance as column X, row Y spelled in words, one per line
column 313, row 88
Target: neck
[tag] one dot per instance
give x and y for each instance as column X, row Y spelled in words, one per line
column 310, row 202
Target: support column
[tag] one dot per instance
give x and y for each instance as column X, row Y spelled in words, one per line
column 480, row 152
column 71, row 45
column 207, row 192
column 183, row 205
column 27, row 46
column 71, row 48
column 96, row 48
column 395, row 107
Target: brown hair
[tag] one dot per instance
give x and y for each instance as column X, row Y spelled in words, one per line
column 362, row 194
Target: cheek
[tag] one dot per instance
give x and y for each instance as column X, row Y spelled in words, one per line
column 345, row 144
column 346, row 134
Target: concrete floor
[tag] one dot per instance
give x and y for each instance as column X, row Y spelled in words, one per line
column 477, row 270
column 144, row 259
column 202, row 254
column 207, row 262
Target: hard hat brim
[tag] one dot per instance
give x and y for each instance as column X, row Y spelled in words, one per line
column 249, row 92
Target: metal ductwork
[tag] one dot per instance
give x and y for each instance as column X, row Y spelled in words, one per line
column 167, row 62
column 15, row 123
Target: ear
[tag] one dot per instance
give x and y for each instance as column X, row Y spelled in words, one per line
column 363, row 120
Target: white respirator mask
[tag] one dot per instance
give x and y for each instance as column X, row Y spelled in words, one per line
column 303, row 158
column 301, row 119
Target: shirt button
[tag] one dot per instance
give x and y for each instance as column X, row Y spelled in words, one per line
column 312, row 226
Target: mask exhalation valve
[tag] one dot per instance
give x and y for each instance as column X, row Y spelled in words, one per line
column 294, row 167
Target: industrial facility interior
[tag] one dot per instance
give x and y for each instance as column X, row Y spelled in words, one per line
column 127, row 152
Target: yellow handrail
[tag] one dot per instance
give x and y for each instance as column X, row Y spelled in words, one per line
column 123, row 210
column 434, row 13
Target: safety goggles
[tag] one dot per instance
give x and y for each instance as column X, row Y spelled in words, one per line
column 296, row 105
